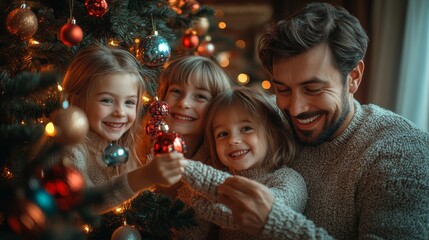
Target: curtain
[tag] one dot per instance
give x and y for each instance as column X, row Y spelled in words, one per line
column 413, row 89
column 399, row 77
column 388, row 17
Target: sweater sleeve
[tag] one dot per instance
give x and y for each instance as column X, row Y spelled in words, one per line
column 115, row 190
column 204, row 179
column 287, row 185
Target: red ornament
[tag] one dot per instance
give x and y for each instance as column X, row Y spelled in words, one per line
column 158, row 109
column 65, row 184
column 26, row 219
column 190, row 39
column 167, row 142
column 96, row 7
column 153, row 127
column 71, row 34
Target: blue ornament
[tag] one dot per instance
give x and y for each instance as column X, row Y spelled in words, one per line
column 45, row 201
column 41, row 197
column 155, row 50
column 115, row 155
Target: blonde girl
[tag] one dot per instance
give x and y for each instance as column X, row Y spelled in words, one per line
column 107, row 84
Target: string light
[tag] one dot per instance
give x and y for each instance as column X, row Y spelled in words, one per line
column 145, row 99
column 87, row 228
column 221, row 25
column 243, row 78
column 50, row 129
column 6, row 173
column 113, row 43
column 240, row 44
column 31, row 41
column 266, row 84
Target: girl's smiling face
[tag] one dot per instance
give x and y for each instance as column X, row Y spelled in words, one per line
column 111, row 107
column 239, row 143
column 188, row 105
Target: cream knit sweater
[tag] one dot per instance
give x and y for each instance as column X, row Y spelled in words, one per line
column 87, row 157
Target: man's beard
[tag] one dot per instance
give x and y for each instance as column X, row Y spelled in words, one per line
column 328, row 130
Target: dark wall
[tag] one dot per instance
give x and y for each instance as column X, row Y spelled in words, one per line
column 282, row 8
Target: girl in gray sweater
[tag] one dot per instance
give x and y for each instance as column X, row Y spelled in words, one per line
column 246, row 135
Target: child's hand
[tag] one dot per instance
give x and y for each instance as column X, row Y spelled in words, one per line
column 166, row 169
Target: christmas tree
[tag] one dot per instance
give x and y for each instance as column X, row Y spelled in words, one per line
column 46, row 200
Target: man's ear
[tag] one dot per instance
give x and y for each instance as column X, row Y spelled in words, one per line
column 355, row 77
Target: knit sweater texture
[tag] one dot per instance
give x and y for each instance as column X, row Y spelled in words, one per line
column 371, row 182
column 200, row 193
column 112, row 181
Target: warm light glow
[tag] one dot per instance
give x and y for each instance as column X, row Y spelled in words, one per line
column 243, row 78
column 223, row 58
column 22, row 122
column 6, row 173
column 50, row 129
column 137, row 40
column 240, row 44
column 221, row 25
column 266, row 84
column 113, row 43
column 86, row 228
column 119, row 210
column 32, row 41
column 60, row 88
column 145, row 99
column 224, row 62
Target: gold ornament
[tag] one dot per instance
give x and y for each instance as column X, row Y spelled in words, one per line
column 71, row 125
column 201, row 25
column 22, row 22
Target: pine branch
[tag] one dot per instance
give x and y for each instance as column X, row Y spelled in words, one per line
column 26, row 83
column 154, row 215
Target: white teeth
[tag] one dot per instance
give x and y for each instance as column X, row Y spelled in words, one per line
column 115, row 125
column 239, row 153
column 183, row 118
column 307, row 120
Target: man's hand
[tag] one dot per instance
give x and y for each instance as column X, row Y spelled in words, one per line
column 249, row 201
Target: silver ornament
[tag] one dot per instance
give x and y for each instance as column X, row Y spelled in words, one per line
column 126, row 232
column 115, row 155
column 155, row 50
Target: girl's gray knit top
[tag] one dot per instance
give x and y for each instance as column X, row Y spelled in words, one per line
column 371, row 182
column 200, row 193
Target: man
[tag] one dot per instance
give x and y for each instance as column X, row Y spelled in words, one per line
column 366, row 168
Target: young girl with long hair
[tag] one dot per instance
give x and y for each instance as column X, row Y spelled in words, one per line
column 107, row 84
